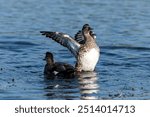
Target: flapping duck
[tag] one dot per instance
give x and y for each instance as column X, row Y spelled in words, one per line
column 83, row 47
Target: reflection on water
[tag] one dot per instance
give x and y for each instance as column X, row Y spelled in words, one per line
column 61, row 88
column 82, row 86
column 88, row 85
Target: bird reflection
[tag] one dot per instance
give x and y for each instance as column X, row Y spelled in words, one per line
column 83, row 86
column 88, row 84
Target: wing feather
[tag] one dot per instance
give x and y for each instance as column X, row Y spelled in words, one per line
column 80, row 38
column 64, row 40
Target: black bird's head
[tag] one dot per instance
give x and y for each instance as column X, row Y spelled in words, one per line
column 49, row 58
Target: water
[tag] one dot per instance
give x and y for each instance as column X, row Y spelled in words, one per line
column 123, row 34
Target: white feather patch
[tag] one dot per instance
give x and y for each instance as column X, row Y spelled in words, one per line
column 89, row 60
column 66, row 35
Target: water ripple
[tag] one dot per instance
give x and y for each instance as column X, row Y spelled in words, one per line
column 128, row 47
column 122, row 30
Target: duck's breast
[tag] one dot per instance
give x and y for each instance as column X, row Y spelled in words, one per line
column 90, row 59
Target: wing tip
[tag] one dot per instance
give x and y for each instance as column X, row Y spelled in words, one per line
column 44, row 32
column 47, row 33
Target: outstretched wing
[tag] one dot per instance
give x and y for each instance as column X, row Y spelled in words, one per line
column 64, row 40
column 79, row 37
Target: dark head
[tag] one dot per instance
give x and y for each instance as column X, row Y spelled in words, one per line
column 49, row 58
column 86, row 28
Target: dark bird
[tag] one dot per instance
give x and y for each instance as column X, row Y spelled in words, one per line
column 53, row 68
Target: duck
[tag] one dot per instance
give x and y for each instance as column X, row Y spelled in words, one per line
column 83, row 46
column 53, row 68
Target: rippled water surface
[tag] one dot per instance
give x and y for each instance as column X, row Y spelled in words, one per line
column 123, row 34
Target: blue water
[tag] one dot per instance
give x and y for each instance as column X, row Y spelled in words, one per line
column 123, row 34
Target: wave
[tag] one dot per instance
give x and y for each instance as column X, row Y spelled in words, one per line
column 129, row 47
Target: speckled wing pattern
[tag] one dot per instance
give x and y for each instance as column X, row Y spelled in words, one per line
column 64, row 40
